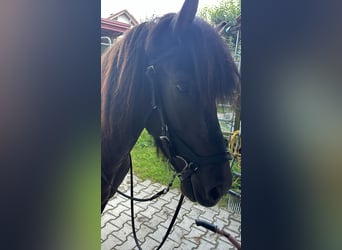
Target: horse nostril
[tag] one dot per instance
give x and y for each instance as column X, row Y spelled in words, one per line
column 215, row 193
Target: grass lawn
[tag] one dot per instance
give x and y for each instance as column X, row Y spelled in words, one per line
column 147, row 165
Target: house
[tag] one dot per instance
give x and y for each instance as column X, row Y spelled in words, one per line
column 114, row 26
column 110, row 31
column 125, row 17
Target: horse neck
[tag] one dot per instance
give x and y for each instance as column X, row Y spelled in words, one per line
column 126, row 132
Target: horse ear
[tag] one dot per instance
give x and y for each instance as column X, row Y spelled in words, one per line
column 184, row 18
column 220, row 27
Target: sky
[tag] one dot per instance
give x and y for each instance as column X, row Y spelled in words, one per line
column 141, row 9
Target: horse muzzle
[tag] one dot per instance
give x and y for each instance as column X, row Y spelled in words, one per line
column 205, row 184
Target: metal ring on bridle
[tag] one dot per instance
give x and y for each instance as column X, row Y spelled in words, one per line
column 187, row 170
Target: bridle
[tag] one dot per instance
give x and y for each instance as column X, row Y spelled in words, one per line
column 166, row 139
column 166, row 144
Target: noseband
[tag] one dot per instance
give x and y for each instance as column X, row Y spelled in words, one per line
column 166, row 137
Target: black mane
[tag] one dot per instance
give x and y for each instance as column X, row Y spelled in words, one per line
column 123, row 65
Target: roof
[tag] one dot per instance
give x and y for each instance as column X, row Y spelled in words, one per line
column 113, row 27
column 126, row 13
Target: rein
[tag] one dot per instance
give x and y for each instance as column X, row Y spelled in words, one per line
column 164, row 191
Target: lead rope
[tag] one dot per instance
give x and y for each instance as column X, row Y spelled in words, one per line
column 179, row 205
column 155, row 196
column 215, row 229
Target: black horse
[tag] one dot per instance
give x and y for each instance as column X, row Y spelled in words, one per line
column 167, row 76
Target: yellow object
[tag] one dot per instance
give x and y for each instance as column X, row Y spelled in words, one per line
column 234, row 146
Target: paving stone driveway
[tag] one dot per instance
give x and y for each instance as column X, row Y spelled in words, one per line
column 152, row 220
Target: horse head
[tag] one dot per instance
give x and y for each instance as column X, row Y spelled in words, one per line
column 189, row 69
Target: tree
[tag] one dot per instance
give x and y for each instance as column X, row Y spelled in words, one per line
column 228, row 11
